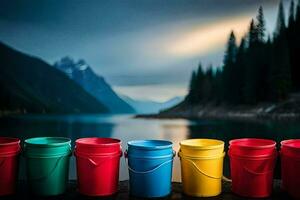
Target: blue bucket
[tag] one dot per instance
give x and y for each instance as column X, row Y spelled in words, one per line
column 150, row 167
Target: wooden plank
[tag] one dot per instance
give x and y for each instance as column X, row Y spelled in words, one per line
column 123, row 193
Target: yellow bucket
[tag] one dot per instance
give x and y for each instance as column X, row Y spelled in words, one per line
column 201, row 147
column 202, row 167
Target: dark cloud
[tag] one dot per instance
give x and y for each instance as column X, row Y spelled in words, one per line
column 104, row 15
column 113, row 35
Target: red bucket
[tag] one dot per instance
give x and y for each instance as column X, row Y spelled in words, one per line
column 97, row 161
column 291, row 147
column 252, row 163
column 252, row 176
column 9, row 150
column 290, row 165
column 252, row 147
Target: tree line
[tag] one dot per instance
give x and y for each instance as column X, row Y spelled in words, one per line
column 261, row 68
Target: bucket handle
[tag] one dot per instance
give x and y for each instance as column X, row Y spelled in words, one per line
column 199, row 170
column 95, row 164
column 148, row 171
column 224, row 178
column 258, row 173
column 50, row 173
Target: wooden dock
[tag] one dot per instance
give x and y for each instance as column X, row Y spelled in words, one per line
column 123, row 193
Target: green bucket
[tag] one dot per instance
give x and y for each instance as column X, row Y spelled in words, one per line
column 47, row 162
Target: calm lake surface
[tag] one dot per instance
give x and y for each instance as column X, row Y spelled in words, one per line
column 127, row 128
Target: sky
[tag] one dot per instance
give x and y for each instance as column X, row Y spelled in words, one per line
column 146, row 49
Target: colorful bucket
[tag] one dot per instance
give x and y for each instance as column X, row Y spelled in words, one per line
column 202, row 166
column 9, row 153
column 252, row 163
column 252, row 147
column 98, row 161
column 47, row 161
column 150, row 167
column 201, row 147
column 290, row 165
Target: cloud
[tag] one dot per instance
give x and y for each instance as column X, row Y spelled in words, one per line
column 143, row 44
column 208, row 37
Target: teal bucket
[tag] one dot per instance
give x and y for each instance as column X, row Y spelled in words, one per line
column 150, row 167
column 47, row 163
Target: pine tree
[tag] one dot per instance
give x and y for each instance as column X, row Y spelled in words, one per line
column 260, row 69
column 253, row 34
column 207, row 85
column 292, row 14
column 293, row 39
column 240, row 71
column 218, row 86
column 280, row 78
column 297, row 16
column 298, row 12
column 280, row 69
column 192, row 96
column 231, row 50
column 229, row 68
column 252, row 66
column 280, row 24
column 261, row 25
column 199, row 83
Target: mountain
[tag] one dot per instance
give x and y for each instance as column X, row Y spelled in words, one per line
column 94, row 84
column 151, row 107
column 30, row 85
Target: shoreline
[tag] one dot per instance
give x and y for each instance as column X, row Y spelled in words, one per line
column 284, row 111
column 229, row 116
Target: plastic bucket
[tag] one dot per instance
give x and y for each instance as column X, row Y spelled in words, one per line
column 290, row 147
column 47, row 162
column 252, row 147
column 9, row 153
column 201, row 147
column 252, row 176
column 202, row 166
column 150, row 167
column 97, row 161
column 202, row 176
column 290, row 165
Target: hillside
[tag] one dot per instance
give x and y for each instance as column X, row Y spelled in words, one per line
column 285, row 110
column 94, row 84
column 30, row 85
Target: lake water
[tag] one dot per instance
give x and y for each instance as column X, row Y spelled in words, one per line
column 127, row 128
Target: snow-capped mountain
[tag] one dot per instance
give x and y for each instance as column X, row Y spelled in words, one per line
column 94, row 84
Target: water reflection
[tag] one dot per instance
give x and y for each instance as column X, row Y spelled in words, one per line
column 127, row 128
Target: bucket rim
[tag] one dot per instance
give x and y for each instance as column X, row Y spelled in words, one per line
column 83, row 141
column 12, row 141
column 272, row 143
column 137, row 144
column 220, row 143
column 290, row 143
column 31, row 141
